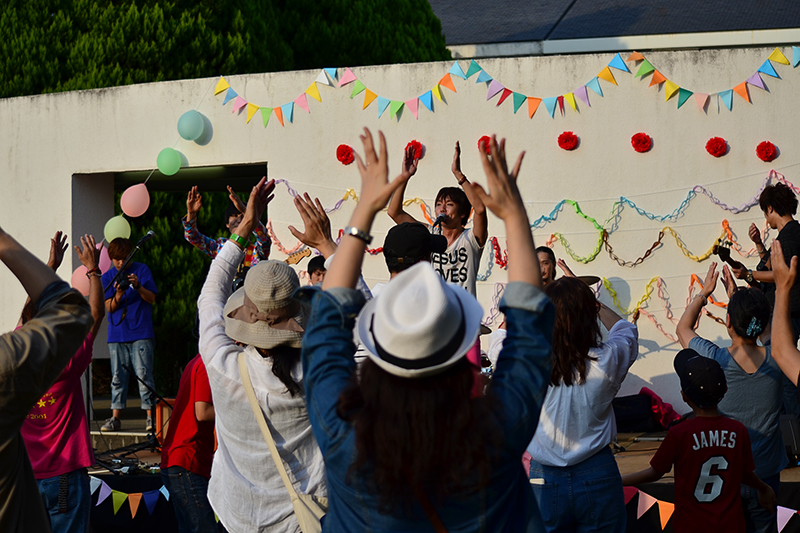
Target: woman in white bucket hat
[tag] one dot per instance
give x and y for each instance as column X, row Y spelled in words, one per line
column 406, row 446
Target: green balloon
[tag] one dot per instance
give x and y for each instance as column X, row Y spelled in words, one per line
column 169, row 161
column 191, row 125
column 117, row 227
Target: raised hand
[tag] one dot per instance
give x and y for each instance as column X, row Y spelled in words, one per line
column 58, row 245
column 316, row 223
column 755, row 234
column 376, row 189
column 409, row 163
column 236, row 201
column 194, row 202
column 89, row 255
column 564, row 268
column 785, row 275
column 456, row 166
column 710, row 283
column 728, row 281
column 503, row 198
column 260, row 196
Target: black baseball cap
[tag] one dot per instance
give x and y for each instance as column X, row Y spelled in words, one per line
column 411, row 242
column 702, row 379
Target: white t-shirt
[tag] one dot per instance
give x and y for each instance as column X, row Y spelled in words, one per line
column 460, row 262
column 578, row 421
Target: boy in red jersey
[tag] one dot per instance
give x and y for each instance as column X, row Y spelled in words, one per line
column 711, row 454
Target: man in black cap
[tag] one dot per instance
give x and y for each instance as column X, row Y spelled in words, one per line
column 711, row 454
column 407, row 244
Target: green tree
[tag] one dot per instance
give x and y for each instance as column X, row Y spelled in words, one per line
column 64, row 45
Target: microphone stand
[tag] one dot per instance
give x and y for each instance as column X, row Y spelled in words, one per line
column 124, row 266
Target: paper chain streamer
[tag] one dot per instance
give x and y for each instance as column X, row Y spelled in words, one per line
column 328, row 77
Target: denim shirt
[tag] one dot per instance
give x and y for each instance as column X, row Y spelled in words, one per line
column 519, row 385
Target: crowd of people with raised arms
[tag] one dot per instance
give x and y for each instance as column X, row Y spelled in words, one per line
column 338, row 407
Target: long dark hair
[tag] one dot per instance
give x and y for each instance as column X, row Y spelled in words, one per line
column 423, row 434
column 284, row 359
column 575, row 332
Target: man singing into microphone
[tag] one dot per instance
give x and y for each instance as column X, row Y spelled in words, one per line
column 459, row 263
column 129, row 303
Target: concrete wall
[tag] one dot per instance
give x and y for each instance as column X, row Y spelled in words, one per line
column 57, row 151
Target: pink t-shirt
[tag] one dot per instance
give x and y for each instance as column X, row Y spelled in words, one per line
column 56, row 432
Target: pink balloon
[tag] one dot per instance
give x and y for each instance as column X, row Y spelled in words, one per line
column 79, row 280
column 135, row 200
column 105, row 261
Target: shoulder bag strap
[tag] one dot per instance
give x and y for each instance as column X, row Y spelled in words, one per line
column 262, row 423
column 430, row 512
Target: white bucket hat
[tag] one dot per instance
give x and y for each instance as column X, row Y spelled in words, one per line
column 262, row 313
column 419, row 325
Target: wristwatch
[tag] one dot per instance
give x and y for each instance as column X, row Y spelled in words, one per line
column 749, row 277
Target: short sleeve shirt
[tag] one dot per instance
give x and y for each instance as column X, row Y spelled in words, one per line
column 460, row 262
column 711, row 455
column 133, row 319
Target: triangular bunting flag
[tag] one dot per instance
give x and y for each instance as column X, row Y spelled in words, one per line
column 645, row 503
column 383, row 103
column 134, row 500
column 332, row 72
column 768, row 69
column 251, row 110
column 494, row 88
column 347, row 77
column 670, row 89
column 163, row 490
column 727, row 98
column 288, row 111
column 629, row 493
column 221, row 86
column 151, row 497
column 778, row 57
column 605, row 74
column 447, row 81
column 483, row 77
column 756, row 81
column 784, row 515
column 118, row 498
column 550, row 105
column 394, row 107
column 230, row 95
column 795, row 56
column 413, row 106
column 644, row 69
column 278, row 113
column 560, row 100
column 266, row 112
column 369, row 97
column 506, row 94
column 313, row 91
column 455, row 70
column 570, row 99
column 741, row 90
column 302, row 102
column 474, row 68
column 105, row 492
column 323, row 78
column 581, row 93
column 238, row 104
column 533, row 105
column 657, row 78
column 683, row 95
column 665, row 510
column 701, row 99
column 519, row 99
column 427, row 100
column 595, row 86
column 619, row 64
column 635, row 56
column 358, row 87
column 94, row 484
column 437, row 92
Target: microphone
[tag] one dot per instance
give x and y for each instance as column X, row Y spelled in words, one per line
column 147, row 236
column 439, row 220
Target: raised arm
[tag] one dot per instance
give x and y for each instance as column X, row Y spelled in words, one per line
column 480, row 227
column 607, row 316
column 194, row 202
column 317, row 225
column 784, row 350
column 89, row 256
column 34, row 275
column 396, row 211
column 685, row 329
column 58, row 245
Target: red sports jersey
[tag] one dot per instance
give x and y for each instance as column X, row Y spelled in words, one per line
column 711, row 455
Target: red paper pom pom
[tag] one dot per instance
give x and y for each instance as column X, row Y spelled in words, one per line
column 417, row 147
column 717, row 146
column 484, row 144
column 344, row 154
column 641, row 142
column 568, row 140
column 766, row 151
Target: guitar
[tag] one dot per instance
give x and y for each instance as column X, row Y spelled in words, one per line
column 298, row 256
column 723, row 250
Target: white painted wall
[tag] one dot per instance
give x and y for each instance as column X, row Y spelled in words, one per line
column 46, row 140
